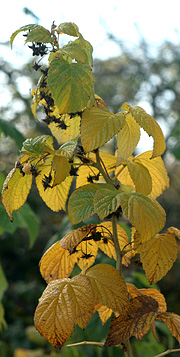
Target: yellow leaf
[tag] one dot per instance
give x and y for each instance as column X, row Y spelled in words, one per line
column 63, row 304
column 57, row 263
column 149, row 124
column 173, row 322
column 61, row 168
column 72, row 130
column 86, row 171
column 141, row 177
column 158, row 256
column 127, row 139
column 103, row 311
column 141, row 312
column 155, row 294
column 108, row 286
column 98, row 126
column 157, row 171
column 87, row 251
column 174, row 231
column 144, row 213
column 15, row 190
column 56, row 197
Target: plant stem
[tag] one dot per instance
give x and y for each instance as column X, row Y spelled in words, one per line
column 101, row 170
column 116, row 243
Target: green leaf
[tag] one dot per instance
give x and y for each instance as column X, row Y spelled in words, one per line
column 39, row 34
column 71, row 85
column 22, row 29
column 81, row 205
column 68, row 28
column 98, row 126
column 3, row 323
column 67, row 149
column 74, row 50
column 9, row 130
column 37, row 146
column 3, row 283
column 106, row 200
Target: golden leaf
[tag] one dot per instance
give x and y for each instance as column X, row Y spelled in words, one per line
column 174, row 231
column 158, row 255
column 56, row 197
column 72, row 129
column 63, row 304
column 108, row 286
column 173, row 322
column 87, row 251
column 57, row 263
column 136, row 320
column 61, row 167
column 127, row 139
column 157, row 171
column 103, row 311
column 141, row 177
column 15, row 190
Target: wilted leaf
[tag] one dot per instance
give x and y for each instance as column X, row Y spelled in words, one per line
column 154, row 293
column 38, row 146
column 73, row 238
column 71, row 85
column 174, row 231
column 108, row 286
column 144, row 213
column 173, row 322
column 22, row 29
column 15, row 190
column 158, row 255
column 136, row 320
column 98, row 126
column 141, row 177
column 63, row 304
column 127, row 139
column 149, row 124
column 57, row 263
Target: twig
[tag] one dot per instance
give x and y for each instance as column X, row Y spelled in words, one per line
column 168, row 351
column 86, row 343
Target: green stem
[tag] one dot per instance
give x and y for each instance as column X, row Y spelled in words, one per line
column 101, row 170
column 116, row 243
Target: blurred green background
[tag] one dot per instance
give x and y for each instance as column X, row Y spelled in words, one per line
column 140, row 78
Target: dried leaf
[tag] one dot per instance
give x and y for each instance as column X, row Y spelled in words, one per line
column 173, row 322
column 136, row 321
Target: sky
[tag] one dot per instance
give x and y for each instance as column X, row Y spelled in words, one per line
column 155, row 20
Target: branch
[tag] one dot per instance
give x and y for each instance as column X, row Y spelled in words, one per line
column 167, row 352
column 86, row 343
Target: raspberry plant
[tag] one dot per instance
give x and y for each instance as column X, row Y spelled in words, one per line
column 110, row 186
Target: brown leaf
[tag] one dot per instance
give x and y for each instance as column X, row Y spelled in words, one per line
column 72, row 239
column 141, row 312
column 173, row 322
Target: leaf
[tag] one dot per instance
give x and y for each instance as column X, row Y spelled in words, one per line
column 38, row 145
column 15, row 190
column 149, row 124
column 98, row 126
column 86, row 253
column 68, row 28
column 63, row 304
column 57, row 263
column 81, row 205
column 26, row 218
column 73, row 238
column 155, row 166
column 154, row 293
column 144, row 213
column 71, row 85
column 127, row 139
column 9, row 130
column 3, row 323
column 67, row 149
column 72, row 131
column 55, row 197
column 23, row 28
column 75, row 51
column 173, row 322
column 106, row 244
column 141, row 177
column 61, row 167
column 39, row 34
column 158, row 256
column 103, row 311
column 106, row 200
column 174, row 231
column 86, row 171
column 141, row 313
column 3, row 283
column 108, row 286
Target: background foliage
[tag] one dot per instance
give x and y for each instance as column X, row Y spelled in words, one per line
column 136, row 76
